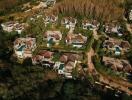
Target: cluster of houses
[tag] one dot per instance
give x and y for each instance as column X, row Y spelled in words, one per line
column 54, row 38
column 118, row 47
column 23, row 47
column 14, row 26
column 117, row 64
column 64, row 66
column 68, row 22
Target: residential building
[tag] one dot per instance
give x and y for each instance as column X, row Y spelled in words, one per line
column 14, row 26
column 69, row 22
column 44, row 58
column 50, row 2
column 111, row 28
column 24, row 47
column 76, row 40
column 90, row 24
column 52, row 37
column 50, row 18
column 130, row 15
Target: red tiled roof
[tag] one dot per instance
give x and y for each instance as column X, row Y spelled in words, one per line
column 46, row 54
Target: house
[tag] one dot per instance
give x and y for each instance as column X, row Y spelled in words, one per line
column 52, row 37
column 69, row 62
column 76, row 40
column 9, row 26
column 88, row 24
column 70, row 57
column 24, row 47
column 46, row 55
column 111, row 28
column 50, row 18
column 130, row 15
column 117, row 46
column 69, row 22
column 44, row 58
column 50, row 2
column 117, row 64
column 14, row 26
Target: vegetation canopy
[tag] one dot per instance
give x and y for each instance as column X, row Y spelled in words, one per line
column 105, row 10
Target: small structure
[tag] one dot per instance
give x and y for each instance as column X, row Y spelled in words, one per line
column 76, row 40
column 24, row 47
column 52, row 37
column 69, row 22
column 117, row 64
column 87, row 24
column 14, row 26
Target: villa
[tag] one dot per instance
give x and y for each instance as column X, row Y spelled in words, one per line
column 117, row 46
column 50, row 2
column 88, row 24
column 52, row 37
column 24, row 47
column 130, row 15
column 69, row 22
column 76, row 40
column 67, row 63
column 44, row 58
column 113, row 28
column 50, row 18
column 117, row 64
column 14, row 26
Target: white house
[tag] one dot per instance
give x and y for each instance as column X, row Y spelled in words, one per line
column 24, row 47
column 69, row 22
column 130, row 15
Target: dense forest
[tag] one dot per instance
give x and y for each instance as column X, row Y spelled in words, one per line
column 106, row 10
